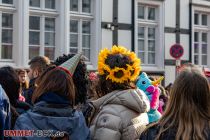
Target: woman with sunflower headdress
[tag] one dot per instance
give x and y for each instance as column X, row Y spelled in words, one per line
column 119, row 114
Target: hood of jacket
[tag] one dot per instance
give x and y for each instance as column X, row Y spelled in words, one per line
column 54, row 117
column 134, row 99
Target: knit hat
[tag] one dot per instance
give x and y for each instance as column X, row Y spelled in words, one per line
column 118, row 64
column 72, row 63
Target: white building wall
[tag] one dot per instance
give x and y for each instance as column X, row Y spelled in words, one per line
column 101, row 37
column 124, row 11
column 170, row 39
column 106, row 41
column 124, row 38
column 170, row 72
column 107, row 10
column 170, row 13
column 184, row 14
column 184, row 41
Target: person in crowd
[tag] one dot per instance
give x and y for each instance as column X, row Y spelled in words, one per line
column 187, row 116
column 5, row 116
column 119, row 112
column 163, row 99
column 79, row 78
column 11, row 85
column 37, row 66
column 24, row 83
column 92, row 86
column 54, row 100
column 207, row 74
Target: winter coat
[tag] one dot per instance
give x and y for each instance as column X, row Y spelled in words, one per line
column 50, row 114
column 18, row 109
column 119, row 115
column 5, row 114
column 29, row 92
column 152, row 132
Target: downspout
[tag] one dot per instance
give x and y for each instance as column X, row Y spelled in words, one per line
column 190, row 33
column 133, row 26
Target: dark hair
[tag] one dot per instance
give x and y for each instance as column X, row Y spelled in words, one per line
column 79, row 77
column 40, row 63
column 55, row 80
column 10, row 83
column 106, row 85
column 188, row 109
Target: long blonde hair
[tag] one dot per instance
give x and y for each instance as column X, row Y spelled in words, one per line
column 188, row 109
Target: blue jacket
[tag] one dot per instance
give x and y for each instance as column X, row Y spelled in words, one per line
column 49, row 114
column 5, row 114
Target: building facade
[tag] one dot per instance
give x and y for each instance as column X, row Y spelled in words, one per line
column 148, row 27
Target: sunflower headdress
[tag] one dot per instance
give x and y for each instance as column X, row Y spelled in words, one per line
column 119, row 74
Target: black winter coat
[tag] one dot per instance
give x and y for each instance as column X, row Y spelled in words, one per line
column 151, row 133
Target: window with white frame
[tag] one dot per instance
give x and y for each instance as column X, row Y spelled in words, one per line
column 80, row 26
column 49, row 37
column 34, row 3
column 7, row 1
column 200, row 43
column 47, row 4
column 46, row 45
column 7, row 36
column 147, row 28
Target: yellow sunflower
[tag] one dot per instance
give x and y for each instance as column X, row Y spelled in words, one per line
column 117, row 74
column 135, row 74
column 100, row 68
column 103, row 55
column 121, row 79
column 118, row 50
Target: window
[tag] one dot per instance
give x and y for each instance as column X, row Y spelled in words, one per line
column 147, row 26
column 80, row 26
column 7, row 33
column 48, row 4
column 50, row 37
column 196, row 19
column 35, row 35
column 204, row 20
column 86, row 6
column 74, row 5
column 146, row 12
column 34, row 3
column 200, row 48
column 200, row 19
column 7, row 1
column 200, row 43
column 80, row 31
column 81, row 6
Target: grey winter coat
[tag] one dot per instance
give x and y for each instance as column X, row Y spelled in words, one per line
column 119, row 115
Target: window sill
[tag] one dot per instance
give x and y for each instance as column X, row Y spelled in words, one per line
column 41, row 12
column 152, row 68
column 90, row 67
column 5, row 62
column 7, row 8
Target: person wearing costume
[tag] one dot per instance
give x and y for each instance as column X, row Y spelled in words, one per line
column 54, row 100
column 153, row 92
column 79, row 78
column 120, row 112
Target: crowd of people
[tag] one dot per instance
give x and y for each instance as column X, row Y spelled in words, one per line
column 116, row 102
